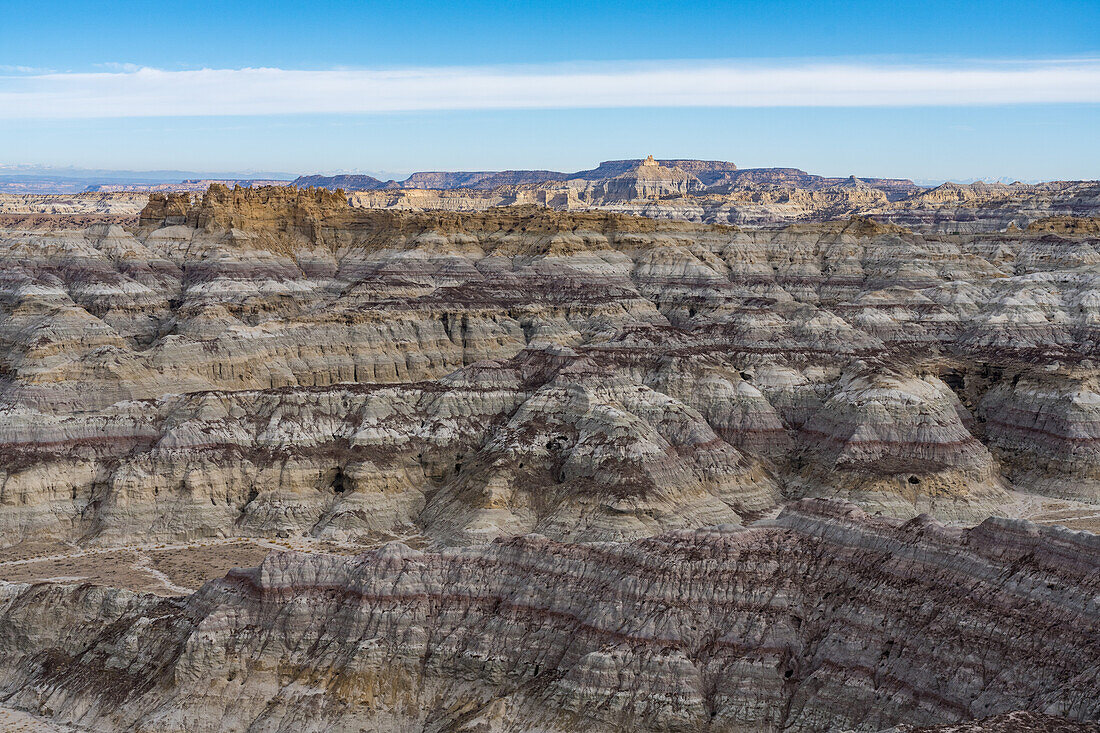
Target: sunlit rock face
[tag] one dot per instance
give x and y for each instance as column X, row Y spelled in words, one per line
column 824, row 619
column 717, row 192
column 273, row 361
column 899, row 442
column 1047, row 425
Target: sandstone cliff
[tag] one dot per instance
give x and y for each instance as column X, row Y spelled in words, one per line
column 720, row 192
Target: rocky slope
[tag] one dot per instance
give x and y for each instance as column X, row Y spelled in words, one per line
column 719, row 192
column 588, row 423
column 678, row 189
column 824, row 619
column 69, row 211
column 274, row 362
column 1015, row 722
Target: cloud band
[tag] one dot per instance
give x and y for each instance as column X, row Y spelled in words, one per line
column 147, row 92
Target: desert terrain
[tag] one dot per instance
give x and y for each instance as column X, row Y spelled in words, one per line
column 662, row 445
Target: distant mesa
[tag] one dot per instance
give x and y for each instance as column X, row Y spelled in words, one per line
column 197, row 185
column 705, row 170
column 346, row 182
column 685, row 189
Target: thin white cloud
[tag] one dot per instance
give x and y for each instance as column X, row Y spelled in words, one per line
column 9, row 69
column 146, row 92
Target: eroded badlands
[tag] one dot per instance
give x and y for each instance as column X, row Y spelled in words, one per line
column 572, row 397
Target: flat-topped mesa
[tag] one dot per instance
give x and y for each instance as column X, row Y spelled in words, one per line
column 649, row 180
column 1066, row 225
column 321, row 216
column 347, row 182
column 222, row 207
column 165, row 209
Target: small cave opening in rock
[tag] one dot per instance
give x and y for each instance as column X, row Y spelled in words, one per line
column 914, row 480
column 338, row 484
column 557, row 443
column 252, row 494
column 954, row 379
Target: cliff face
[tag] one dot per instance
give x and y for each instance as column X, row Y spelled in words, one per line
column 825, row 619
column 357, row 182
column 649, row 180
column 719, row 192
column 274, row 361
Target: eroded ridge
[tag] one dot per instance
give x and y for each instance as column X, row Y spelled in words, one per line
column 825, row 618
column 276, row 362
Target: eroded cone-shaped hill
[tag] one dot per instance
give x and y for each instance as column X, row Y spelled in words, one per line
column 824, row 619
column 272, row 361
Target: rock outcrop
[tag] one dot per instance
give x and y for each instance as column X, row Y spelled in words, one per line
column 720, row 193
column 274, row 361
column 649, row 473
column 1014, row 722
column 824, row 619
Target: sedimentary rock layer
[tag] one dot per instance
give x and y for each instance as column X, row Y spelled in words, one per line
column 275, row 361
column 824, row 619
column 716, row 192
column 1015, row 722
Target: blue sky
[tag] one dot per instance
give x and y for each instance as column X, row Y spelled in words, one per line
column 918, row 89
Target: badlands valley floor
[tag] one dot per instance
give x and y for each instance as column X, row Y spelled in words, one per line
column 290, row 459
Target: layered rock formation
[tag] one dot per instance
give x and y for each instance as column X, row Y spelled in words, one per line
column 719, row 192
column 275, row 362
column 587, row 422
column 980, row 208
column 824, row 619
column 708, row 171
column 1015, row 722
column 197, row 185
column 688, row 190
column 69, row 211
column 80, row 203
